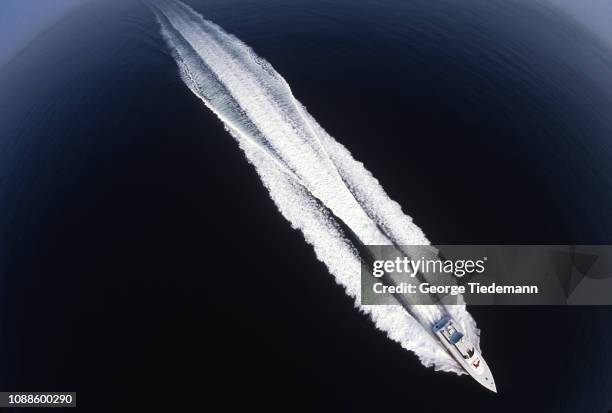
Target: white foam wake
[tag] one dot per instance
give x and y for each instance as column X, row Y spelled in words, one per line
column 313, row 180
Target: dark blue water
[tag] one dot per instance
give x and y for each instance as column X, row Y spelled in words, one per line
column 140, row 255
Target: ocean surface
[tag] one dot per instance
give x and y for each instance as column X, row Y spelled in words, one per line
column 142, row 262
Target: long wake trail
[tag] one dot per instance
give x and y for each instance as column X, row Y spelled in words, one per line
column 313, row 180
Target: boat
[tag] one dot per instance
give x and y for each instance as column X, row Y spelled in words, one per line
column 464, row 352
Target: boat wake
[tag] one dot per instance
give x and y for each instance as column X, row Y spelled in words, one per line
column 313, row 180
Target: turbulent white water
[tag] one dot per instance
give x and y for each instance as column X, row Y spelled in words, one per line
column 303, row 168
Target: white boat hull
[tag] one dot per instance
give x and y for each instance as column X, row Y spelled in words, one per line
column 464, row 352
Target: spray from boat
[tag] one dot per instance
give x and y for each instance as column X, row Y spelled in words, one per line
column 313, row 180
